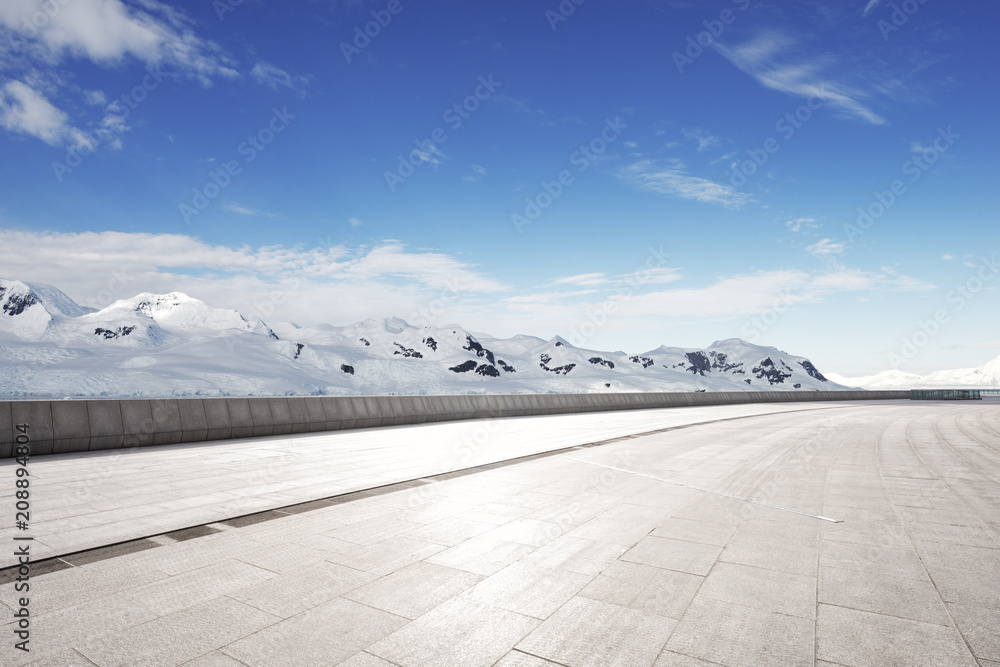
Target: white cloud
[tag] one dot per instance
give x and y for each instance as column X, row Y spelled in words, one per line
column 523, row 108
column 24, row 110
column 798, row 224
column 271, row 76
column 658, row 275
column 107, row 32
column 95, row 98
column 947, row 258
column 750, row 294
column 326, row 283
column 333, row 283
column 235, row 207
column 39, row 35
column 825, row 247
column 355, row 222
column 761, row 59
column 583, row 279
column 478, row 171
column 870, row 7
column 705, row 140
column 670, row 177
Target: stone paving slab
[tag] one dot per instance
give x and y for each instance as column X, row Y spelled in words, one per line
column 550, row 561
column 90, row 499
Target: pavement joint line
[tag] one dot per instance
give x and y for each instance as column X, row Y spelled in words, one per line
column 698, row 488
column 222, row 525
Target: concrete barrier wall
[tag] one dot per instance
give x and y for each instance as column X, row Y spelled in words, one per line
column 57, row 427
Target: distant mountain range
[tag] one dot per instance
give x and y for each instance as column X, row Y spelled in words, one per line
column 986, row 376
column 175, row 345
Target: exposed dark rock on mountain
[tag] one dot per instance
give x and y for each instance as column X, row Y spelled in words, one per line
column 488, row 370
column 17, row 303
column 699, row 363
column 645, row 361
column 472, row 345
column 602, row 362
column 110, row 334
column 719, row 362
column 407, row 351
column 808, row 366
column 767, row 369
column 176, row 345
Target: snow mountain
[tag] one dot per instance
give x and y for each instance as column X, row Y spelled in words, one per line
column 175, row 345
column 986, row 376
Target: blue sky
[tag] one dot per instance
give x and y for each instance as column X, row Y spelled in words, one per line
column 623, row 174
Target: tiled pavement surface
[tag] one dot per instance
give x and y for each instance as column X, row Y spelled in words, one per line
column 81, row 501
column 553, row 561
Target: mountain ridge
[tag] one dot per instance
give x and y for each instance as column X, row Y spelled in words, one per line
column 176, row 345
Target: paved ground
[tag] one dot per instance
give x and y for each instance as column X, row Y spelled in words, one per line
column 555, row 560
column 99, row 498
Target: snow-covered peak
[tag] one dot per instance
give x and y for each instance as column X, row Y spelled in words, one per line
column 27, row 309
column 175, row 344
column 395, row 325
column 177, row 311
column 986, row 376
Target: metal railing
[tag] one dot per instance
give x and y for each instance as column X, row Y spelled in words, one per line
column 945, row 394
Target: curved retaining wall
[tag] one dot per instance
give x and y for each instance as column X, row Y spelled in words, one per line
column 57, row 427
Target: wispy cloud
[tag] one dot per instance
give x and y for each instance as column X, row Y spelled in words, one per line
column 798, row 224
column 274, row 77
column 670, row 177
column 748, row 294
column 825, row 247
column 235, row 207
column 37, row 99
column 704, row 140
column 870, row 7
column 109, row 31
column 478, row 171
column 355, row 222
column 24, row 110
column 523, row 108
column 769, row 59
column 586, row 279
column 324, row 283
